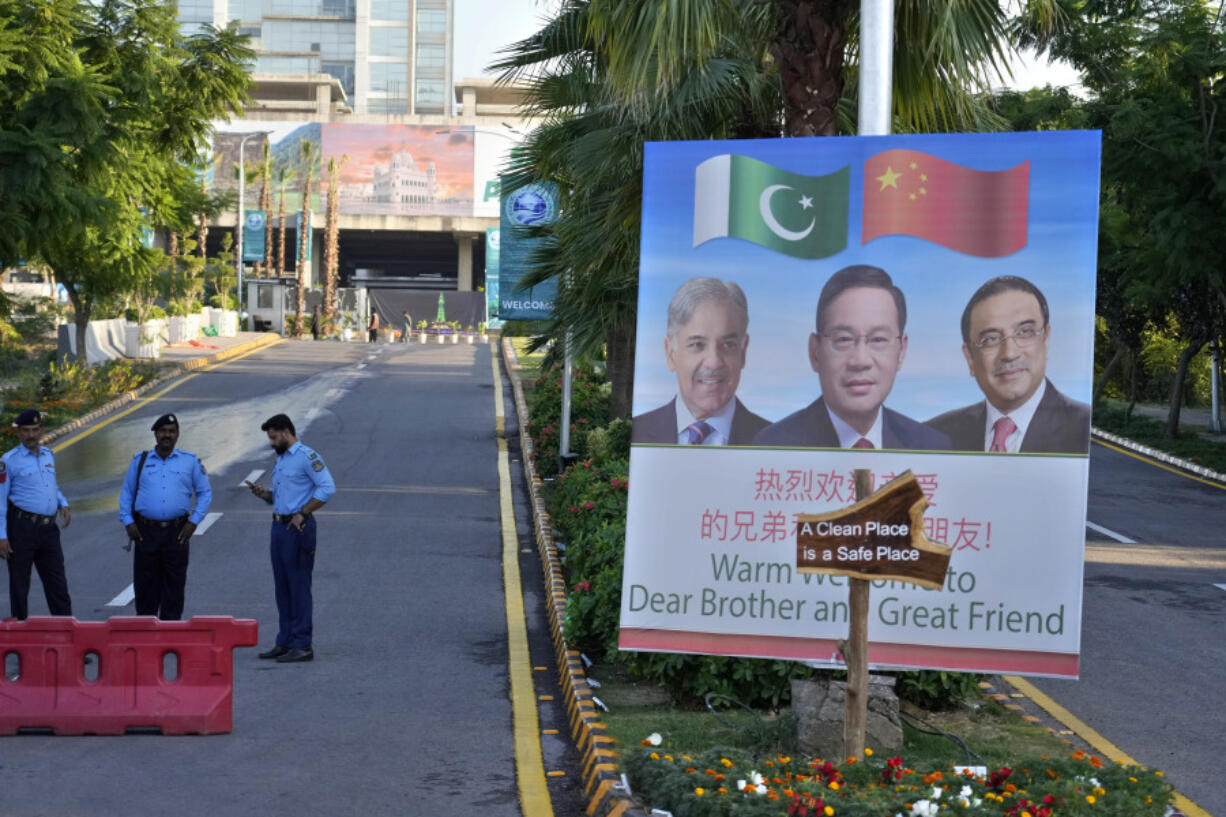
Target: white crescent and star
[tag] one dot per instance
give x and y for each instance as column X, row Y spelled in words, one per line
column 764, row 208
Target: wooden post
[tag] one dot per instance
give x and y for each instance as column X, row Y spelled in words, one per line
column 855, row 648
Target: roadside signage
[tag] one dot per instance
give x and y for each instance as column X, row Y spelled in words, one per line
column 881, row 537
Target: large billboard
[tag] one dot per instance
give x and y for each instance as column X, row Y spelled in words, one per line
column 808, row 307
column 402, row 170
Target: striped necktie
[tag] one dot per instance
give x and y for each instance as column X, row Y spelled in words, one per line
column 698, row 431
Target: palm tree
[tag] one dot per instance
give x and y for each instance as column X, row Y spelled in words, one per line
column 606, row 75
column 307, row 154
column 264, row 268
column 285, row 174
column 332, row 236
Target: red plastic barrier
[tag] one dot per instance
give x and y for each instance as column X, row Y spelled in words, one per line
column 129, row 687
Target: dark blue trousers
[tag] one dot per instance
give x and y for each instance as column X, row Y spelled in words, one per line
column 36, row 545
column 293, row 560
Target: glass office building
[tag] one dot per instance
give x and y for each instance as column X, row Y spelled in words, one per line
column 391, row 57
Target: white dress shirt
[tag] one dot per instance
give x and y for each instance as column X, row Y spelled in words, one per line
column 1021, row 416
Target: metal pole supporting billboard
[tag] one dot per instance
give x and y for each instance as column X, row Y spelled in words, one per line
column 875, row 118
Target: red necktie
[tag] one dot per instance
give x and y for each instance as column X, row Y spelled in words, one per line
column 863, row 442
column 1001, row 430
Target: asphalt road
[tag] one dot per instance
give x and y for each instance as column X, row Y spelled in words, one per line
column 405, row 709
column 1153, row 651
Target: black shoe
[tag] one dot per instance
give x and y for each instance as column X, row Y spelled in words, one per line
column 295, row 655
column 275, row 652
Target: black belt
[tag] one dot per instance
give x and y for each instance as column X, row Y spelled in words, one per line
column 283, row 518
column 177, row 522
column 37, row 518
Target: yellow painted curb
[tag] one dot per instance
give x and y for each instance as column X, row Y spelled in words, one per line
column 530, row 768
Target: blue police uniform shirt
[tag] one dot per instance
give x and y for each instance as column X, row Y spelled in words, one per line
column 28, row 481
column 298, row 477
column 166, row 488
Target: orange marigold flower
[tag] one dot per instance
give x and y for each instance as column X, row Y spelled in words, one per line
column 868, row 752
column 654, row 755
column 721, row 790
column 727, row 763
column 1160, row 774
column 1096, row 762
column 852, row 759
column 1090, row 798
column 834, row 785
column 690, row 770
column 829, row 812
column 700, row 791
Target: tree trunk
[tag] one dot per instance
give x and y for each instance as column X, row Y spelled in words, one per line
column 1181, row 374
column 1120, row 352
column 80, row 319
column 619, row 353
column 281, row 239
column 265, row 268
column 1132, row 391
column 810, row 50
column 304, row 244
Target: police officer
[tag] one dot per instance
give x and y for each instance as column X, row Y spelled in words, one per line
column 301, row 484
column 155, row 506
column 28, row 533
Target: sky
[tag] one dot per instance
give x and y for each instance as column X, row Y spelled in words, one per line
column 483, row 27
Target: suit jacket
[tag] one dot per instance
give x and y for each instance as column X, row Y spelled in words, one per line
column 811, row 426
column 660, row 425
column 1060, row 426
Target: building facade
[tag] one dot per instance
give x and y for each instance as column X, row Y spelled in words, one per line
column 390, row 57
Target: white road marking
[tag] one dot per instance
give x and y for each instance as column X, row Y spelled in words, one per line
column 1105, row 532
column 207, row 522
column 252, row 477
column 1220, row 586
column 124, row 598
column 335, row 394
column 360, row 366
column 313, row 414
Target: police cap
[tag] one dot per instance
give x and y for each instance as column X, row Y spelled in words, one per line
column 29, row 417
column 165, row 420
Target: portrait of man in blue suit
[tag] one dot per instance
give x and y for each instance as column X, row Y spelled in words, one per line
column 857, row 349
column 705, row 347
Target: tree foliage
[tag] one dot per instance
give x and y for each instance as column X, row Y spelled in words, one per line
column 606, row 76
column 104, row 109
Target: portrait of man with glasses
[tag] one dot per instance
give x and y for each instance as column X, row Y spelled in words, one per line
column 858, row 347
column 1006, row 329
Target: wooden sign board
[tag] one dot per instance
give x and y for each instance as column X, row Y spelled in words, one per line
column 880, row 537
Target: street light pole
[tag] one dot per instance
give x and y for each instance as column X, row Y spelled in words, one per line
column 242, row 219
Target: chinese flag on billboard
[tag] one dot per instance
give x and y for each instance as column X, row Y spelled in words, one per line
column 977, row 212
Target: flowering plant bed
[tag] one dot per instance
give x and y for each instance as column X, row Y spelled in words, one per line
column 719, row 782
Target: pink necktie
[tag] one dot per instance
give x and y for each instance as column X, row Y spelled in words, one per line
column 863, row 442
column 1001, row 430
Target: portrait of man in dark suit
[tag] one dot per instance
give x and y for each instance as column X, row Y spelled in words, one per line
column 858, row 347
column 705, row 346
column 1006, row 330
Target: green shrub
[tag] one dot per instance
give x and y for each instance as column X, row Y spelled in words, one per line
column 611, row 442
column 176, row 310
column 523, row 329
column 156, row 313
column 933, row 689
column 589, row 408
column 195, row 308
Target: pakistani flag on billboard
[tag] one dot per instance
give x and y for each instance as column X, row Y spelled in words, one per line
column 741, row 197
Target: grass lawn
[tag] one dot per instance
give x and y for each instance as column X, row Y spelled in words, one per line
column 997, row 735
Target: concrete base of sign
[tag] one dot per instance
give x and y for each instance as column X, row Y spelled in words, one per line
column 821, row 705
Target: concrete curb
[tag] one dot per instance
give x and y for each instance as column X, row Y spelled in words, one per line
column 1160, row 456
column 177, row 371
column 602, row 780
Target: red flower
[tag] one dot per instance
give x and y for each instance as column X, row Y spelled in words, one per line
column 581, row 586
column 589, row 504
